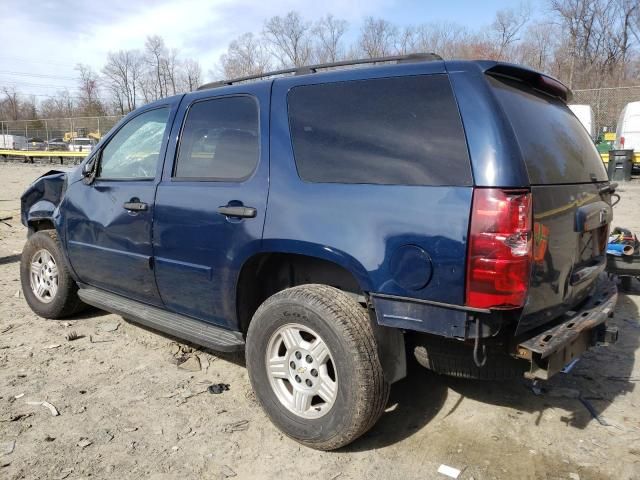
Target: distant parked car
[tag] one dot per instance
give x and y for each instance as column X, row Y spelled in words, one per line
column 57, row 145
column 35, row 143
column 82, row 144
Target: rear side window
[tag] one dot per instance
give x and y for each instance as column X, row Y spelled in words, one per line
column 219, row 140
column 556, row 147
column 399, row 131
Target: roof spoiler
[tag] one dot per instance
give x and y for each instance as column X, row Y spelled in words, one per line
column 537, row 80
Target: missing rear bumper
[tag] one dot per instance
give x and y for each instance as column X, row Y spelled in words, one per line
column 554, row 348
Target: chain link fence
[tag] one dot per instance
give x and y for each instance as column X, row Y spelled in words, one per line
column 59, row 129
column 607, row 103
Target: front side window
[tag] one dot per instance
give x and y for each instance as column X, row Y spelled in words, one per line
column 219, row 140
column 134, row 151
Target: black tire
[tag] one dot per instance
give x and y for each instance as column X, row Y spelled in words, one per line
column 455, row 359
column 626, row 283
column 344, row 326
column 66, row 301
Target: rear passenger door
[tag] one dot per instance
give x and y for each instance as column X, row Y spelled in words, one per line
column 210, row 204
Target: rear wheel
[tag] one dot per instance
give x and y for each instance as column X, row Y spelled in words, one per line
column 313, row 363
column 46, row 283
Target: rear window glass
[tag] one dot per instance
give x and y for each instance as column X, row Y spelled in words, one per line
column 401, row 131
column 555, row 145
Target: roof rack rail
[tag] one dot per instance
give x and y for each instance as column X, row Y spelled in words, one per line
column 413, row 57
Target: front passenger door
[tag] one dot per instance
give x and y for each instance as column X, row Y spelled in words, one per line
column 109, row 221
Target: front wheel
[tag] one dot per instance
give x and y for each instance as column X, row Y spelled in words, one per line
column 313, row 363
column 46, row 283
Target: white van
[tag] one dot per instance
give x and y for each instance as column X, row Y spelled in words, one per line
column 628, row 131
column 13, row 142
column 585, row 115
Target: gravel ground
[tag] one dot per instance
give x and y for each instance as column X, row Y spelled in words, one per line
column 128, row 410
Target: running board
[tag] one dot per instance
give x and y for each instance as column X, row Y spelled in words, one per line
column 174, row 324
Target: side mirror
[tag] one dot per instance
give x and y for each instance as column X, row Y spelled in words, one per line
column 89, row 170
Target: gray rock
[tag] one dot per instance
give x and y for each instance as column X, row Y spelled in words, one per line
column 191, row 364
column 108, row 327
column 104, row 436
column 227, row 472
column 7, row 448
column 84, row 442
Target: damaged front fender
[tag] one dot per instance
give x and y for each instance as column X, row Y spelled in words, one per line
column 41, row 199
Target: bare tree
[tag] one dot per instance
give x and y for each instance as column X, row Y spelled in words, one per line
column 290, row 39
column 58, row 106
column 122, row 73
column 407, row 40
column 507, row 25
column 598, row 34
column 12, row 102
column 156, row 57
column 629, row 14
column 578, row 19
column 246, row 55
column 28, row 110
column 192, row 75
column 148, row 87
column 537, row 46
column 170, row 65
column 445, row 39
column 585, row 43
column 88, row 91
column 377, row 37
column 634, row 22
column 329, row 32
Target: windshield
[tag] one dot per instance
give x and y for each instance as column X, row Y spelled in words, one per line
column 555, row 146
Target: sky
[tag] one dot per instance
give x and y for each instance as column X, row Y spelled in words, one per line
column 42, row 43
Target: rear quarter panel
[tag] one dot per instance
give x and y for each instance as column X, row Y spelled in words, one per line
column 363, row 226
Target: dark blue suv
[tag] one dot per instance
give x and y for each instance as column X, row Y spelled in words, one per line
column 328, row 221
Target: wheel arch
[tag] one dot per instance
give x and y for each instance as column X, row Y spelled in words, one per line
column 40, row 216
column 270, row 271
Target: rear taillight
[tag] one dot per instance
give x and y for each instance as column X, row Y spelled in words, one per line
column 500, row 248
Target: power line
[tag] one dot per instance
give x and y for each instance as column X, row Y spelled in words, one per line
column 37, row 75
column 30, row 84
column 38, row 62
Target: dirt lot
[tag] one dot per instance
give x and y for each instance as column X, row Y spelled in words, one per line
column 126, row 410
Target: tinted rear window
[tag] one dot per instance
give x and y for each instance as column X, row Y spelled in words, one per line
column 555, row 145
column 402, row 131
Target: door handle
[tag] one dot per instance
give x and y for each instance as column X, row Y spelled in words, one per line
column 238, row 211
column 135, row 205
